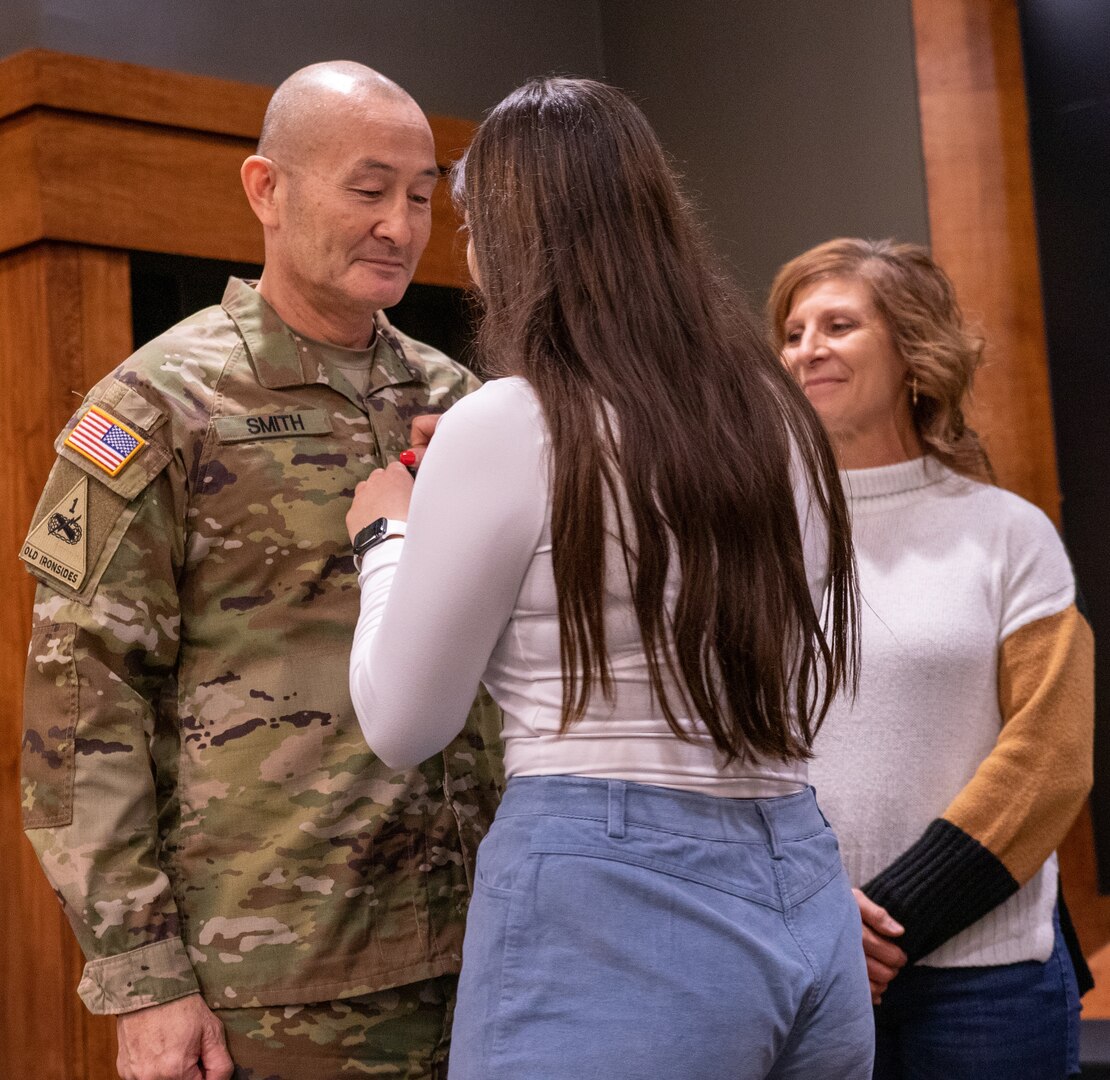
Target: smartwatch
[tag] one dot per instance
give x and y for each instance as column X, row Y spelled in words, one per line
column 373, row 534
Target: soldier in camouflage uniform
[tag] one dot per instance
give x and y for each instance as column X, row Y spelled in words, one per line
column 194, row 780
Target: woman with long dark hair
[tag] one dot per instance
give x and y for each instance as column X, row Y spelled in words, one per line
column 636, row 539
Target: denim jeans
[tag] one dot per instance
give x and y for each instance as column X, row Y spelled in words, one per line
column 622, row 931
column 1011, row 1022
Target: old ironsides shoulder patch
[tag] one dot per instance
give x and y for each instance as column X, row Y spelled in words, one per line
column 57, row 544
column 107, row 442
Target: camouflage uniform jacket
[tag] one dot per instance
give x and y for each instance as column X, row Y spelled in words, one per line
column 195, row 783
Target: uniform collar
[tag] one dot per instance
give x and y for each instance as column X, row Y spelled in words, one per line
column 282, row 358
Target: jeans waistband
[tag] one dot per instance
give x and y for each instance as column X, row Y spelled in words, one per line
column 620, row 803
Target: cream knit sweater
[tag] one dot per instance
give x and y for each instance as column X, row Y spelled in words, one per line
column 959, row 767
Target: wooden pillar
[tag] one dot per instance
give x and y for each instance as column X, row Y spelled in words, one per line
column 975, row 135
column 98, row 159
column 65, row 320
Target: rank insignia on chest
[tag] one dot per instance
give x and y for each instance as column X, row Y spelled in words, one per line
column 104, row 440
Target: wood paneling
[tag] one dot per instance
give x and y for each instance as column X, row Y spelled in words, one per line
column 444, row 261
column 975, row 136
column 20, row 194
column 112, row 183
column 64, row 322
column 976, row 141
column 105, row 154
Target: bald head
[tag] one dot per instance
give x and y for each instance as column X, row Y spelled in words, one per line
column 342, row 184
column 313, row 102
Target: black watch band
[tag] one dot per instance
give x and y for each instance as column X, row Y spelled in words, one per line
column 373, row 534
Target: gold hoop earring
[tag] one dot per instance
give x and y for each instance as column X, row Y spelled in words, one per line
column 913, row 391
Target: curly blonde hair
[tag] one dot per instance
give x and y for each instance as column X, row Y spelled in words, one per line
column 918, row 301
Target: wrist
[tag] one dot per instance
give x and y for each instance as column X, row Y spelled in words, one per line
column 377, row 532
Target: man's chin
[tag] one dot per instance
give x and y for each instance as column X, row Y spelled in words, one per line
column 382, row 291
column 363, row 300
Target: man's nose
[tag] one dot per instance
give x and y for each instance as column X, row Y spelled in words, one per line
column 394, row 225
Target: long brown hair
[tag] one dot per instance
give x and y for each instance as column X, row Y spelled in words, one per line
column 918, row 301
column 660, row 396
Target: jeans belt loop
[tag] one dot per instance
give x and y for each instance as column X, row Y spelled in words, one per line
column 615, row 826
column 765, row 817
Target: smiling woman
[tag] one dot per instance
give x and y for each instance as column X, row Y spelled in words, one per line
column 959, row 765
column 861, row 291
column 841, row 351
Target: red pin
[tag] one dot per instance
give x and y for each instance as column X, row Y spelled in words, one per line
column 408, row 459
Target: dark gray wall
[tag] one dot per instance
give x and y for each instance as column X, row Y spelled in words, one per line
column 17, row 24
column 456, row 57
column 794, row 121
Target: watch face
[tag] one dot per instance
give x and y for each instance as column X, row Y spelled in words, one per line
column 372, row 534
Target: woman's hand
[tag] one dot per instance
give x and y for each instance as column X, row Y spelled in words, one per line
column 884, row 958
column 384, row 493
column 421, row 432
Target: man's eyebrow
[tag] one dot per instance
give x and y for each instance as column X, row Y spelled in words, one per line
column 373, row 165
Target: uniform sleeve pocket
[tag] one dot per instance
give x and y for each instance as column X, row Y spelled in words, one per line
column 49, row 724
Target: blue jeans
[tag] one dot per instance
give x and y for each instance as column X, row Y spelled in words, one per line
column 1011, row 1022
column 623, row 931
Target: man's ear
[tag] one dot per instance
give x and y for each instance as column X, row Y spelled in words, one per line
column 260, row 181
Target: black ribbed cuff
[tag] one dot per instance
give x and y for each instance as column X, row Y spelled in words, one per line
column 941, row 885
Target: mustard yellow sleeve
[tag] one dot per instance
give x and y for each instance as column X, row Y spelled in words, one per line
column 1013, row 813
column 1027, row 792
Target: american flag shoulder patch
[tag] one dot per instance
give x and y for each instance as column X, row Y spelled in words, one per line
column 107, row 442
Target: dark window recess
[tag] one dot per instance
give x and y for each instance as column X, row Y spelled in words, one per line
column 440, row 316
column 1067, row 80
column 168, row 288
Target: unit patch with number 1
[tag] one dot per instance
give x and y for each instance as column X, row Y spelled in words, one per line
column 57, row 544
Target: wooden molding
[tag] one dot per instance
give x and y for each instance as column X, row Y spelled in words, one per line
column 112, row 183
column 116, row 155
column 82, row 84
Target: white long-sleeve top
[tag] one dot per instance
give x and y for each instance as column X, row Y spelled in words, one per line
column 469, row 595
